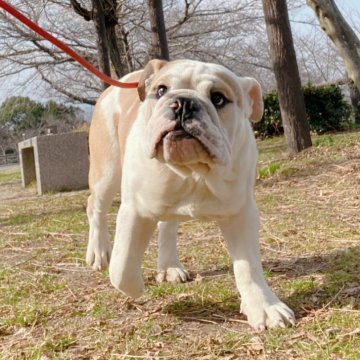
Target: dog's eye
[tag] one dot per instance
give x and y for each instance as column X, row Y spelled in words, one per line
column 161, row 90
column 218, row 99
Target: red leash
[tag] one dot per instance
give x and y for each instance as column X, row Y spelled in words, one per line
column 11, row 10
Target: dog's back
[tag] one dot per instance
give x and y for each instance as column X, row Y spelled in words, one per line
column 113, row 116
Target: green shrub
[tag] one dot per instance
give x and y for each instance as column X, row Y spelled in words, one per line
column 326, row 108
column 326, row 111
column 270, row 124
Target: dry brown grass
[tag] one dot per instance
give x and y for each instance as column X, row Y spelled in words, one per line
column 53, row 306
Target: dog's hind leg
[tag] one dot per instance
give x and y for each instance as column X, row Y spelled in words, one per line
column 104, row 183
column 168, row 263
column 99, row 202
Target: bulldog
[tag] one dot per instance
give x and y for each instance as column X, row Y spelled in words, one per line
column 180, row 147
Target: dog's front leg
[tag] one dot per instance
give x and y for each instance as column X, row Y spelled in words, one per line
column 261, row 306
column 132, row 237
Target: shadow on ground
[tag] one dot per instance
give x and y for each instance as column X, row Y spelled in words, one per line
column 316, row 282
column 322, row 281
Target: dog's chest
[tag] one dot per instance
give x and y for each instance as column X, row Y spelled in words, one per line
column 187, row 199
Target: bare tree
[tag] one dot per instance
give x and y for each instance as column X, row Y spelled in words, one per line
column 341, row 34
column 32, row 59
column 318, row 59
column 102, row 41
column 112, row 38
column 355, row 101
column 228, row 32
column 292, row 105
column 346, row 42
column 160, row 48
column 197, row 29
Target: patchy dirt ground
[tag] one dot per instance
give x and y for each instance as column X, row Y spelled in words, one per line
column 53, row 306
column 13, row 191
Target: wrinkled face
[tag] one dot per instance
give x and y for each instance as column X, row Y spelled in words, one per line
column 192, row 109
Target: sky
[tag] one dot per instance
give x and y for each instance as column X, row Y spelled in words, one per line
column 349, row 8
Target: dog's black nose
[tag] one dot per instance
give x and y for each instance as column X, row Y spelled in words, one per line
column 184, row 109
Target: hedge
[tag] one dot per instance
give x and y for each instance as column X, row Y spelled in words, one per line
column 326, row 110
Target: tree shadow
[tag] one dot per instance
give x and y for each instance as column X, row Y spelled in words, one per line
column 206, row 310
column 317, row 282
column 321, row 281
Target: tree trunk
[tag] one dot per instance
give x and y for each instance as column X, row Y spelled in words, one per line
column 115, row 52
column 158, row 32
column 341, row 34
column 117, row 48
column 355, row 101
column 128, row 60
column 291, row 99
column 103, row 52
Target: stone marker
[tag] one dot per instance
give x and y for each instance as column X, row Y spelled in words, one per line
column 56, row 162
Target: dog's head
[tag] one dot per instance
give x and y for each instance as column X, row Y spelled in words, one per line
column 193, row 110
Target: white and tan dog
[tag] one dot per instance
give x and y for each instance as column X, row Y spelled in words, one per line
column 181, row 148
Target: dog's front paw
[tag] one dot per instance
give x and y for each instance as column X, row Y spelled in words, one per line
column 126, row 278
column 98, row 256
column 173, row 274
column 264, row 314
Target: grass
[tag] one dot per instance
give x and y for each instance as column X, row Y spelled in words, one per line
column 9, row 175
column 53, row 306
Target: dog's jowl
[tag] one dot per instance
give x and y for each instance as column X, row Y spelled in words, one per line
column 177, row 148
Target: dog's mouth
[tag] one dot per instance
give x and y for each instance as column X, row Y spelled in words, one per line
column 180, row 133
column 176, row 135
column 185, row 145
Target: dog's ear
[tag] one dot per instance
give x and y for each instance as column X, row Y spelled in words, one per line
column 150, row 69
column 253, row 90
